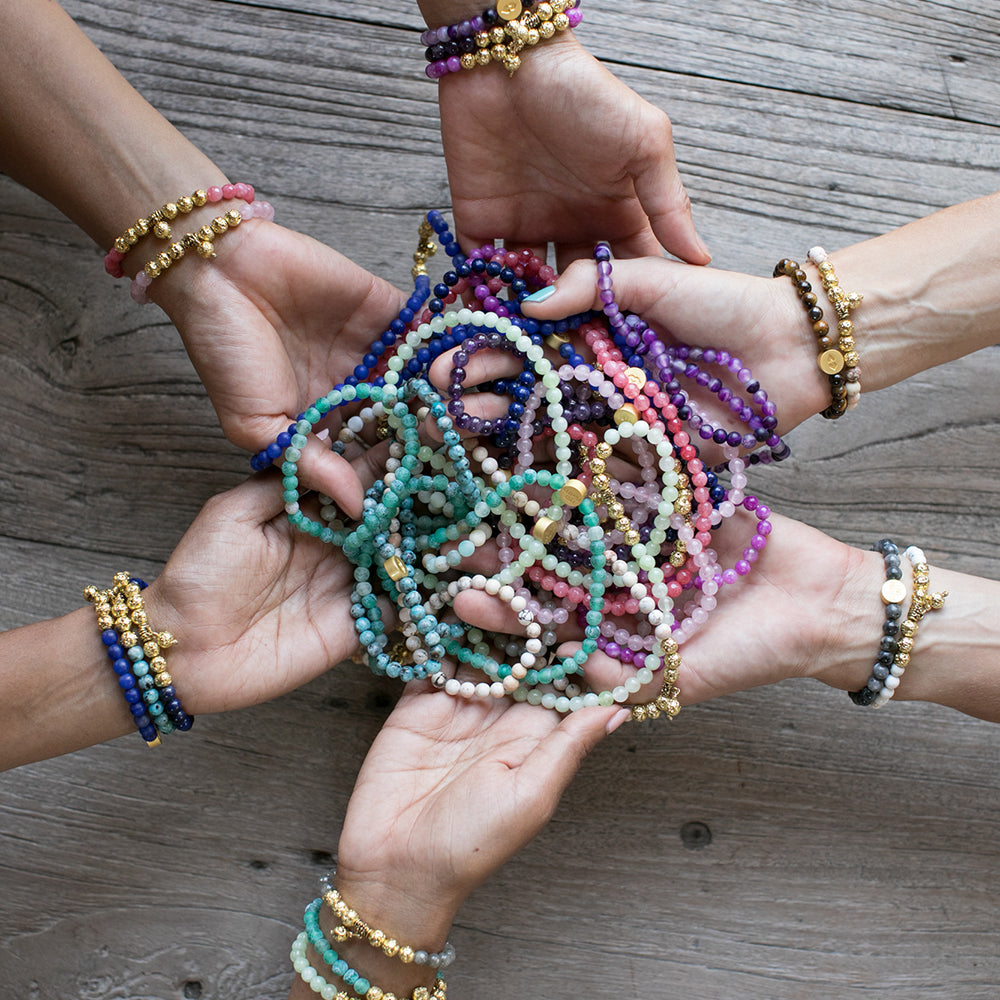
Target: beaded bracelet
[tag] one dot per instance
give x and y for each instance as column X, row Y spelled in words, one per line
column 893, row 593
column 830, row 359
column 202, row 241
column 921, row 603
column 136, row 654
column 843, row 304
column 360, row 985
column 477, row 43
column 158, row 223
column 352, row 926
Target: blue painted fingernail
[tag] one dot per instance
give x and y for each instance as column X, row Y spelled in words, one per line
column 541, row 295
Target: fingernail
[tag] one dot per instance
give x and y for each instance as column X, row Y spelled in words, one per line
column 616, row 720
column 323, row 434
column 541, row 295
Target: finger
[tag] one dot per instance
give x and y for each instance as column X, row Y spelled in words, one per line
column 325, row 471
column 483, row 366
column 661, row 193
column 640, row 286
column 550, row 767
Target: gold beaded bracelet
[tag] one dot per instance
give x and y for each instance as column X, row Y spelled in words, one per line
column 352, row 926
column 159, row 221
column 202, row 241
column 503, row 43
column 843, row 304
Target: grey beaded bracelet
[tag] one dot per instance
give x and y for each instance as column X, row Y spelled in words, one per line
column 893, row 593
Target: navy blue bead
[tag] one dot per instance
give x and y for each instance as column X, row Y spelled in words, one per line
column 361, row 373
column 133, row 694
column 273, row 450
column 478, row 265
column 435, row 306
column 121, row 666
column 109, row 637
column 126, row 682
column 115, row 650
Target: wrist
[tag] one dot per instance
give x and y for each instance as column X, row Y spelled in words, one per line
column 411, row 920
column 850, row 626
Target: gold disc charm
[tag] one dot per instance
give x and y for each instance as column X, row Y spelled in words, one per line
column 831, row 361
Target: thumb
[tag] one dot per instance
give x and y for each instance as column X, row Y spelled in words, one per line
column 640, row 286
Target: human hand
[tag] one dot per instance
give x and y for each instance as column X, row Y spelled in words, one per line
column 810, row 608
column 760, row 320
column 452, row 788
column 258, row 607
column 562, row 152
column 272, row 324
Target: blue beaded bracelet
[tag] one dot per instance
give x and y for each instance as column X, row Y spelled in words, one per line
column 135, row 651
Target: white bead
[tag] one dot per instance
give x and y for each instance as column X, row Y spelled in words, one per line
column 467, row 689
column 452, row 686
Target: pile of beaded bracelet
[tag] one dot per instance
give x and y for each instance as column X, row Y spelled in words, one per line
column 626, row 554
column 898, row 639
column 499, row 34
column 843, row 304
column 136, row 654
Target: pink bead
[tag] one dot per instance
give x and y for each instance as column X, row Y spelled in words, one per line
column 575, row 16
column 228, row 191
column 214, row 194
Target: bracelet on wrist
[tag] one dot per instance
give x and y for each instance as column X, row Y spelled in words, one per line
column 158, row 224
column 499, row 34
column 896, row 645
column 137, row 658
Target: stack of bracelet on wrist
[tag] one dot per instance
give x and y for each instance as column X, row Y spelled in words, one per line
column 898, row 637
column 352, row 926
column 499, row 34
column 626, row 552
column 137, row 657
column 838, row 357
column 158, row 225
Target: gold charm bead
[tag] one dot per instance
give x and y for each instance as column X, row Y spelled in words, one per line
column 508, row 10
column 545, row 530
column 395, row 568
column 831, row 362
column 893, row 592
column 573, row 493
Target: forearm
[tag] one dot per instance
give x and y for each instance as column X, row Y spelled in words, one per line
column 57, row 690
column 931, row 291
column 78, row 134
column 956, row 655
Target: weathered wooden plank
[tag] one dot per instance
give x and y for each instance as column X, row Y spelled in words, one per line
column 848, row 853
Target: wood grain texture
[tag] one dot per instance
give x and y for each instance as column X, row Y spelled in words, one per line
column 773, row 845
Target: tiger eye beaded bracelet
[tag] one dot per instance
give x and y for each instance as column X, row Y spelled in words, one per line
column 843, row 304
column 830, row 359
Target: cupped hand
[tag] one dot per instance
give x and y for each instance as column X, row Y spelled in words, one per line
column 808, row 608
column 275, row 322
column 759, row 320
column 451, row 788
column 257, row 606
column 562, row 152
